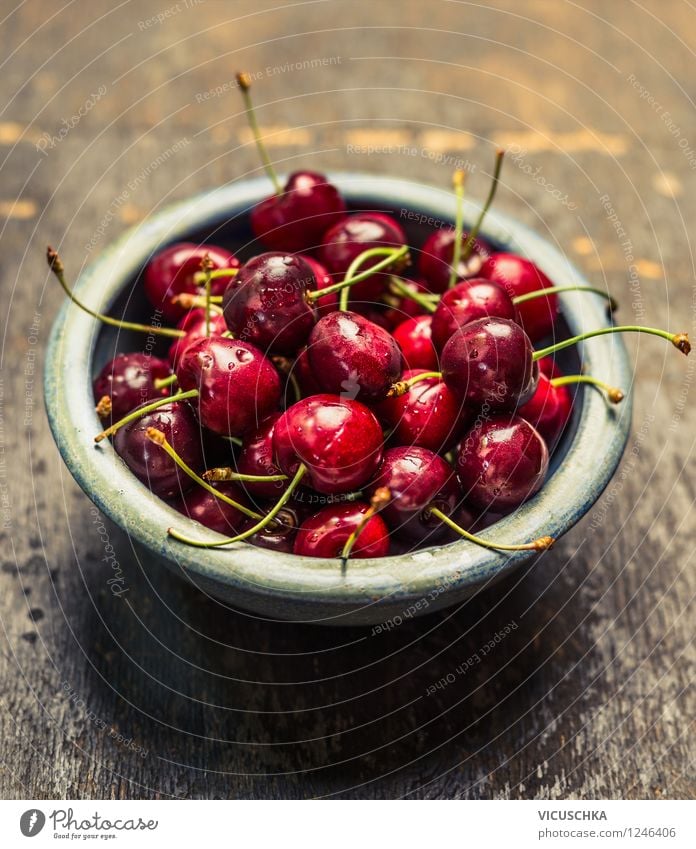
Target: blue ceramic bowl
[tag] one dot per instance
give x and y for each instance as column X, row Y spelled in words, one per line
column 301, row 588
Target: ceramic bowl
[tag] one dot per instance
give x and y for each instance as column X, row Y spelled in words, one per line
column 302, row 588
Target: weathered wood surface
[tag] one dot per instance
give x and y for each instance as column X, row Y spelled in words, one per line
column 592, row 695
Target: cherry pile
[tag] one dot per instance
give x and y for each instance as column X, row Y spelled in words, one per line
column 342, row 393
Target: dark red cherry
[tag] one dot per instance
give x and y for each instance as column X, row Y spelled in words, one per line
column 356, row 233
column 256, row 458
column 129, row 380
column 416, row 478
column 489, row 362
column 297, row 219
column 436, row 257
column 328, row 303
column 202, row 506
column 148, row 462
column 549, row 367
column 194, row 325
column 518, row 276
column 429, row 414
column 339, row 440
column 466, row 302
column 171, row 272
column 326, row 533
column 238, row 386
column 280, row 534
column 267, row 304
column 414, row 337
column 353, row 357
column 501, row 463
column 548, row 410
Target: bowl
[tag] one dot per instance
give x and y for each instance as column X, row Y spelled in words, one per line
column 290, row 587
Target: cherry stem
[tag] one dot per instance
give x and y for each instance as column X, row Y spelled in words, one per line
column 405, row 291
column 613, row 394
column 458, row 181
column 540, row 544
column 215, row 274
column 225, row 473
column 160, row 439
column 380, row 499
column 143, row 411
column 189, row 301
column 161, row 382
column 401, row 387
column 552, row 290
column 679, row 340
column 56, row 266
column 282, row 501
column 391, row 255
column 244, row 83
column 207, row 266
column 468, row 247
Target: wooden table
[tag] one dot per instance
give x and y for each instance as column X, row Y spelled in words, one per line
column 110, row 111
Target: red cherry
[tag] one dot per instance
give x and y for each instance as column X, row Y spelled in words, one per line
column 238, row 386
column 501, row 463
column 436, row 257
column 326, row 533
column 357, row 233
column 129, row 381
column 466, row 302
column 280, row 534
column 171, row 272
column 414, row 337
column 256, row 458
column 518, row 276
column 548, row 410
column 428, row 415
column 202, row 506
column 297, row 219
column 194, row 325
column 340, row 442
column 549, row 367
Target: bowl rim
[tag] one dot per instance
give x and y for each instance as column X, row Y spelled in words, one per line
column 602, row 431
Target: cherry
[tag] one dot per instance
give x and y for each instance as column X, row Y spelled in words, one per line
column 428, row 415
column 129, row 380
column 414, row 337
column 237, row 385
column 256, row 458
column 328, row 303
column 404, row 307
column 356, row 233
column 501, row 463
column 202, row 506
column 338, row 440
column 435, row 260
column 548, row 410
column 351, row 356
column 417, row 479
column 172, row 272
column 280, row 534
column 466, row 302
column 518, row 276
column 326, row 533
column 148, row 462
column 193, row 323
column 549, row 367
column 490, row 362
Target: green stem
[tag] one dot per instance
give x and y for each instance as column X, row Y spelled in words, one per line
column 225, row 473
column 215, row 274
column 391, row 255
column 161, row 382
column 615, row 395
column 406, row 292
column 552, row 290
column 143, row 411
column 282, row 501
column 458, row 180
column 466, row 252
column 679, row 340
column 540, row 544
column 244, row 83
column 401, row 387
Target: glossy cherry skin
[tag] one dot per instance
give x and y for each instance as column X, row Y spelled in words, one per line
column 429, row 414
column 340, row 442
column 417, row 478
column 501, row 463
column 238, row 386
column 280, row 534
column 489, row 362
column 194, row 325
column 202, row 506
column 436, row 257
column 148, row 462
column 548, row 410
column 328, row 303
column 325, row 533
column 297, row 219
column 414, row 337
column 353, row 357
column 129, row 380
column 356, row 233
column 518, row 276
column 267, row 304
column 256, row 458
column 466, row 302
column 171, row 272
